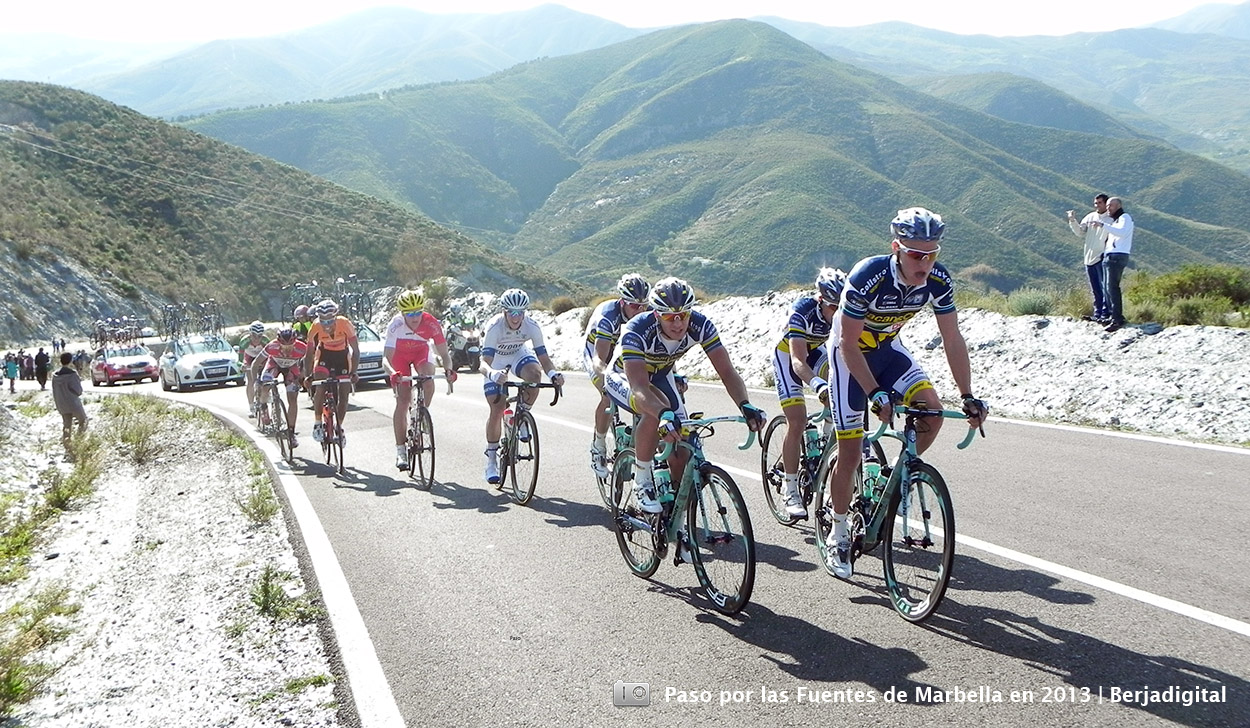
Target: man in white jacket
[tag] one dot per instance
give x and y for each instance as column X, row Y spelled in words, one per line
column 1115, row 254
column 1090, row 228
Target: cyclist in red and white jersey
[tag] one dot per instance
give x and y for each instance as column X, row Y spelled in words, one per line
column 283, row 356
column 407, row 349
column 249, row 348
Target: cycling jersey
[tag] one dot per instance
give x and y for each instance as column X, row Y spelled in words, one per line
column 604, row 325
column 411, row 348
column 507, row 347
column 641, row 340
column 301, row 329
column 335, row 340
column 279, row 359
column 250, row 348
column 874, row 293
column 808, row 322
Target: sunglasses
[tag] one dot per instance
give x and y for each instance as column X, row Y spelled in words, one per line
column 514, row 311
column 675, row 316
column 919, row 254
column 412, row 314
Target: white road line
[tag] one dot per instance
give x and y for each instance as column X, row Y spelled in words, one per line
column 375, row 704
column 1067, row 572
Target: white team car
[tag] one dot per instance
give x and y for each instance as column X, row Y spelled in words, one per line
column 198, row 361
column 371, row 369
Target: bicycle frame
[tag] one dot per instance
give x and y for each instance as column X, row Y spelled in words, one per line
column 510, row 449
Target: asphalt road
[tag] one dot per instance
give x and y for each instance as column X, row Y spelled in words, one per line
column 1089, row 565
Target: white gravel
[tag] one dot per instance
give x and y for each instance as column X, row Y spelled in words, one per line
column 162, row 559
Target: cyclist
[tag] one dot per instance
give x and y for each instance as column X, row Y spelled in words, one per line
column 407, row 347
column 250, row 346
column 642, row 379
column 329, row 339
column 802, row 357
column 870, row 364
column 513, row 341
column 303, row 322
column 283, row 356
column 602, row 332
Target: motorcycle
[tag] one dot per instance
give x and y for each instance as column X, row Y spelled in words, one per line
column 464, row 342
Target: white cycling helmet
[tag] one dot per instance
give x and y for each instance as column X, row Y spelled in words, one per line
column 327, row 309
column 256, row 329
column 514, row 299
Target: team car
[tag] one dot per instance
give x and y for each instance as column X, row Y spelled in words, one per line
column 198, row 361
column 113, row 364
column 371, row 369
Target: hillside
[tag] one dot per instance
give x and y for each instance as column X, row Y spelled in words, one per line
column 369, row 51
column 740, row 158
column 107, row 212
column 1191, row 89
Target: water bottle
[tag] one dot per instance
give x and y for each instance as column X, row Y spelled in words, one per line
column 872, row 478
column 507, row 417
column 663, row 482
column 811, row 439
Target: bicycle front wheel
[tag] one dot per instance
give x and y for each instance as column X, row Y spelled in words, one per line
column 772, row 472
column 280, row 427
column 330, row 443
column 721, row 541
column 629, row 521
column 523, row 468
column 919, row 544
column 421, row 446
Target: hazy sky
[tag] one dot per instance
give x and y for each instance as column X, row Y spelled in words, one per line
column 163, row 20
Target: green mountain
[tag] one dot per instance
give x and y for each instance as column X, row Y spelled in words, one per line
column 369, row 51
column 1192, row 90
column 731, row 154
column 166, row 213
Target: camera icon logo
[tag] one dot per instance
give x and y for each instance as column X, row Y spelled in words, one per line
column 631, row 695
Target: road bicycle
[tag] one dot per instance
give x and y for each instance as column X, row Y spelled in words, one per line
column 272, row 419
column 706, row 517
column 332, row 429
column 815, row 442
column 518, row 448
column 908, row 508
column 622, row 439
column 420, row 442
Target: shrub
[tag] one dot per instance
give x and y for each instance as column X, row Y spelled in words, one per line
column 1030, row 301
column 561, row 304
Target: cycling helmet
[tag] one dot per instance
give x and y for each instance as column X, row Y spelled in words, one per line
column 917, row 223
column 514, row 299
column 286, row 334
column 411, row 301
column 633, row 288
column 672, row 295
column 829, row 284
column 301, row 310
column 327, row 309
column 256, row 329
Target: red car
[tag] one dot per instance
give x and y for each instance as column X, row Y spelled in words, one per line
column 123, row 363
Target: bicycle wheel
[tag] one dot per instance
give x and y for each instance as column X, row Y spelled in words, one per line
column 523, row 467
column 280, row 428
column 919, row 544
column 824, row 510
column 635, row 542
column 605, row 484
column 772, row 472
column 721, row 541
column 421, row 446
column 331, row 443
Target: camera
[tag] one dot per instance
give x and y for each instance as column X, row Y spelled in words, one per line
column 631, row 695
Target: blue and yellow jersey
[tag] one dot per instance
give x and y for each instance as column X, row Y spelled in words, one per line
column 605, row 323
column 875, row 295
column 640, row 339
column 806, row 321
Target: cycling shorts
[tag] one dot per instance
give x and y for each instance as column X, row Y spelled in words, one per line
column 517, row 360
column 789, row 386
column 616, row 385
column 894, row 368
column 333, row 363
column 290, row 376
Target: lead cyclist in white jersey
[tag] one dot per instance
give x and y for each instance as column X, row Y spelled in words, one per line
column 868, row 364
column 512, row 342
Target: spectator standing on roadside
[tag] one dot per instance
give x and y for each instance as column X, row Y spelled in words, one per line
column 10, row 370
column 43, row 363
column 1091, row 229
column 1114, row 259
column 67, row 393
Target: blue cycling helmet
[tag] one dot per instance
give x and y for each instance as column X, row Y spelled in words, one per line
column 829, row 284
column 672, row 295
column 633, row 288
column 917, row 223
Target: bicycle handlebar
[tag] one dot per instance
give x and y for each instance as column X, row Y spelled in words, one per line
column 921, row 412
column 423, row 377
column 535, row 385
column 668, row 447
